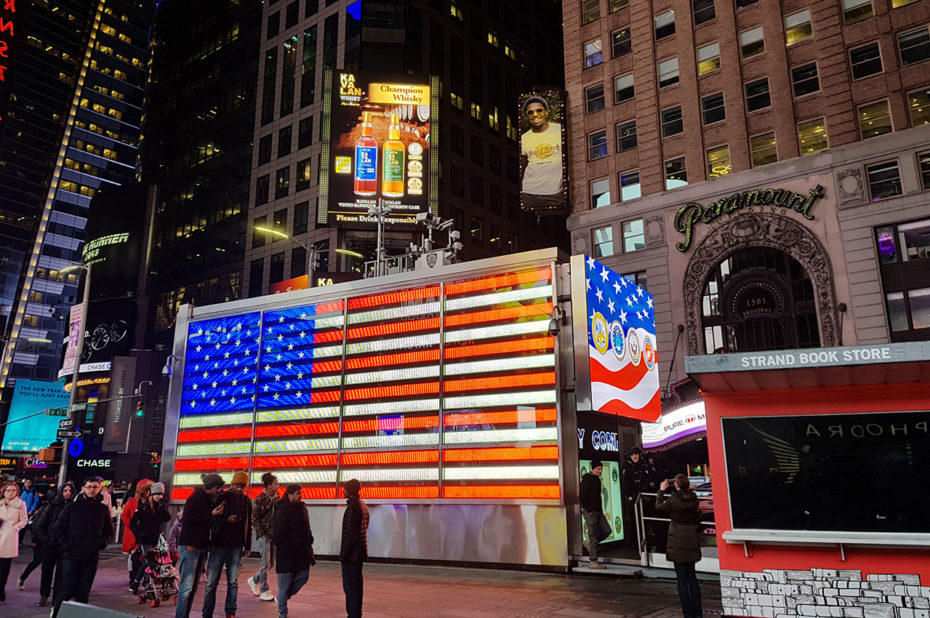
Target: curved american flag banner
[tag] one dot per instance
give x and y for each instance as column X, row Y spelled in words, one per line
column 621, row 344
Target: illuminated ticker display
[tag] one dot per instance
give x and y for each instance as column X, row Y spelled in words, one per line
column 440, row 392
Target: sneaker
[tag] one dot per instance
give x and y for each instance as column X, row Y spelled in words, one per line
column 251, row 582
column 134, row 589
column 228, row 615
column 43, row 601
column 596, row 565
column 21, row 583
column 587, row 545
column 267, row 596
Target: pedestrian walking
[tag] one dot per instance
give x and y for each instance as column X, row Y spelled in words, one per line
column 263, row 517
column 13, row 518
column 294, row 540
column 232, row 539
column 37, row 543
column 173, row 535
column 30, row 496
column 354, row 549
column 51, row 548
column 83, row 528
column 146, row 524
column 683, row 547
column 592, row 511
column 129, row 539
column 194, row 539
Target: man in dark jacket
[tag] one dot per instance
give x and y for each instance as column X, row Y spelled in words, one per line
column 232, row 538
column 51, row 550
column 83, row 528
column 592, row 511
column 683, row 547
column 637, row 475
column 294, row 540
column 354, row 550
column 194, row 540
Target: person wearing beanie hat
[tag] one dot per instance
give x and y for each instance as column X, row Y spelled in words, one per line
column 200, row 511
column 354, row 549
column 158, row 489
column 592, row 511
column 146, row 524
column 232, row 539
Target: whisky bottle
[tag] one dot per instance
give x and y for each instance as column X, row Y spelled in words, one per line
column 392, row 177
column 366, row 160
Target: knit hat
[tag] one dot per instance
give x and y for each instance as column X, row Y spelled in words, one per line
column 596, row 464
column 212, row 480
column 158, row 489
column 240, row 478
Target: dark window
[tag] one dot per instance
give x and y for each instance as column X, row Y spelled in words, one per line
column 303, row 175
column 305, row 132
column 457, row 140
column 292, row 14
column 457, row 180
column 804, row 79
column 703, row 11
column 494, row 199
column 914, row 45
column 865, row 60
column 757, row 94
column 676, row 173
column 626, row 136
column 477, row 190
column 513, row 169
column 665, row 24
column 276, row 269
column 477, row 150
column 623, row 88
column 744, row 3
column 712, row 108
column 594, row 98
column 284, row 142
column 301, row 217
column 256, row 276
column 621, row 43
column 264, row 150
column 268, row 89
column 884, row 180
column 590, row 11
column 476, row 232
column 299, row 262
column 261, row 190
column 330, row 41
column 597, row 145
column 671, row 122
column 308, row 68
column 494, row 160
column 274, row 23
column 259, row 237
column 282, row 185
column 311, row 7
column 924, row 161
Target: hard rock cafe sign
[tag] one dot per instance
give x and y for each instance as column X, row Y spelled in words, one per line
column 692, row 214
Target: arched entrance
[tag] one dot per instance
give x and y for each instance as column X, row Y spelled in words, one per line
column 773, row 283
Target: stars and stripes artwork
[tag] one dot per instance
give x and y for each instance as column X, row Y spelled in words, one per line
column 442, row 391
column 621, row 345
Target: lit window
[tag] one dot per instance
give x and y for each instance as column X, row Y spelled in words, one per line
column 676, row 175
column 798, row 27
column 884, row 180
column 812, row 136
column 665, row 24
column 855, row 10
column 594, row 98
column 493, row 41
column 623, row 88
column 593, row 53
column 590, row 11
column 865, row 60
column 874, row 119
column 708, row 58
column 597, row 145
column 804, row 80
column 626, row 136
column 456, row 12
column 918, row 105
column 634, row 236
column 616, row 5
column 923, row 160
column 620, row 42
column 703, row 11
column 476, row 111
column 629, row 186
column 899, row 3
column 282, row 182
column 758, row 95
column 671, row 122
column 600, row 193
column 303, row 175
column 914, row 45
column 475, row 232
column 668, row 72
column 762, row 148
column 603, row 241
column 712, row 108
column 718, row 161
column 457, row 101
column 751, row 43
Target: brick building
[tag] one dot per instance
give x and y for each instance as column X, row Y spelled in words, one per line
column 762, row 166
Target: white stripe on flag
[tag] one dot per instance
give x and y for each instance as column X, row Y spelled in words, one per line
column 501, row 472
column 501, row 435
column 483, row 300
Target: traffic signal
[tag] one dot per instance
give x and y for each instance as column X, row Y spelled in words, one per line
column 139, row 411
column 154, row 460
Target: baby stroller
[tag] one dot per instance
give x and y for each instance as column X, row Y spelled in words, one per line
column 160, row 582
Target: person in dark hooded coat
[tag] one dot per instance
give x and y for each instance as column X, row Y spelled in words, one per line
column 51, row 550
column 684, row 546
column 638, row 475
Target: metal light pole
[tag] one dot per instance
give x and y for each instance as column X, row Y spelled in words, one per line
column 381, row 212
column 62, row 471
column 312, row 250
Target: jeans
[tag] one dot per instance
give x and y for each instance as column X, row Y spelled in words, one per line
column 77, row 578
column 689, row 592
column 220, row 557
column 289, row 584
column 266, row 549
column 190, row 566
column 352, row 584
column 139, row 575
column 597, row 529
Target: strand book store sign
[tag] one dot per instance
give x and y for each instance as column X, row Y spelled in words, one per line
column 379, row 149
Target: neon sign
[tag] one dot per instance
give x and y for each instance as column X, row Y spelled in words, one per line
column 7, row 33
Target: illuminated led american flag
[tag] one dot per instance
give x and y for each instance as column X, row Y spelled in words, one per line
column 434, row 392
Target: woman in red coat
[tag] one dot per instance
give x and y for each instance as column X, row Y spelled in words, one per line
column 129, row 509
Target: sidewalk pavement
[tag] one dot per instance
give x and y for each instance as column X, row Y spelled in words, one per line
column 402, row 590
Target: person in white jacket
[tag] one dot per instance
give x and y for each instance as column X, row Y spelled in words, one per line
column 14, row 517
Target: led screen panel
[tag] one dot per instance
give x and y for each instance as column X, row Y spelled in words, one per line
column 23, row 431
column 543, row 165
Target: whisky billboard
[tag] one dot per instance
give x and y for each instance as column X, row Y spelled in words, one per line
column 379, row 149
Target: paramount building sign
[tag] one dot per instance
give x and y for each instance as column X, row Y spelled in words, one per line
column 692, row 213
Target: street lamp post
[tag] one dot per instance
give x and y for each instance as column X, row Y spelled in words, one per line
column 313, row 251
column 82, row 325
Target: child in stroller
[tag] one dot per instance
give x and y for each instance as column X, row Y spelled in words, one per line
column 160, row 581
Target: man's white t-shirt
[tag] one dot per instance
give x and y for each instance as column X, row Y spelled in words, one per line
column 543, row 150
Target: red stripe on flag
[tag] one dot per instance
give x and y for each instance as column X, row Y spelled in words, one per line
column 497, row 315
column 214, row 435
column 326, row 460
column 649, row 412
column 386, row 360
column 390, row 423
column 393, row 328
column 499, row 382
column 296, row 429
column 501, row 281
column 399, row 390
column 515, row 453
column 525, row 492
column 327, row 336
column 394, row 298
column 500, row 347
column 324, row 397
column 327, row 308
column 541, row 415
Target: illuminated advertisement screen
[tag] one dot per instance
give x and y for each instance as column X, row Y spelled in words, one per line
column 622, row 353
column 543, row 165
column 611, row 498
column 379, row 148
column 7, row 54
column 440, row 392
column 25, row 432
